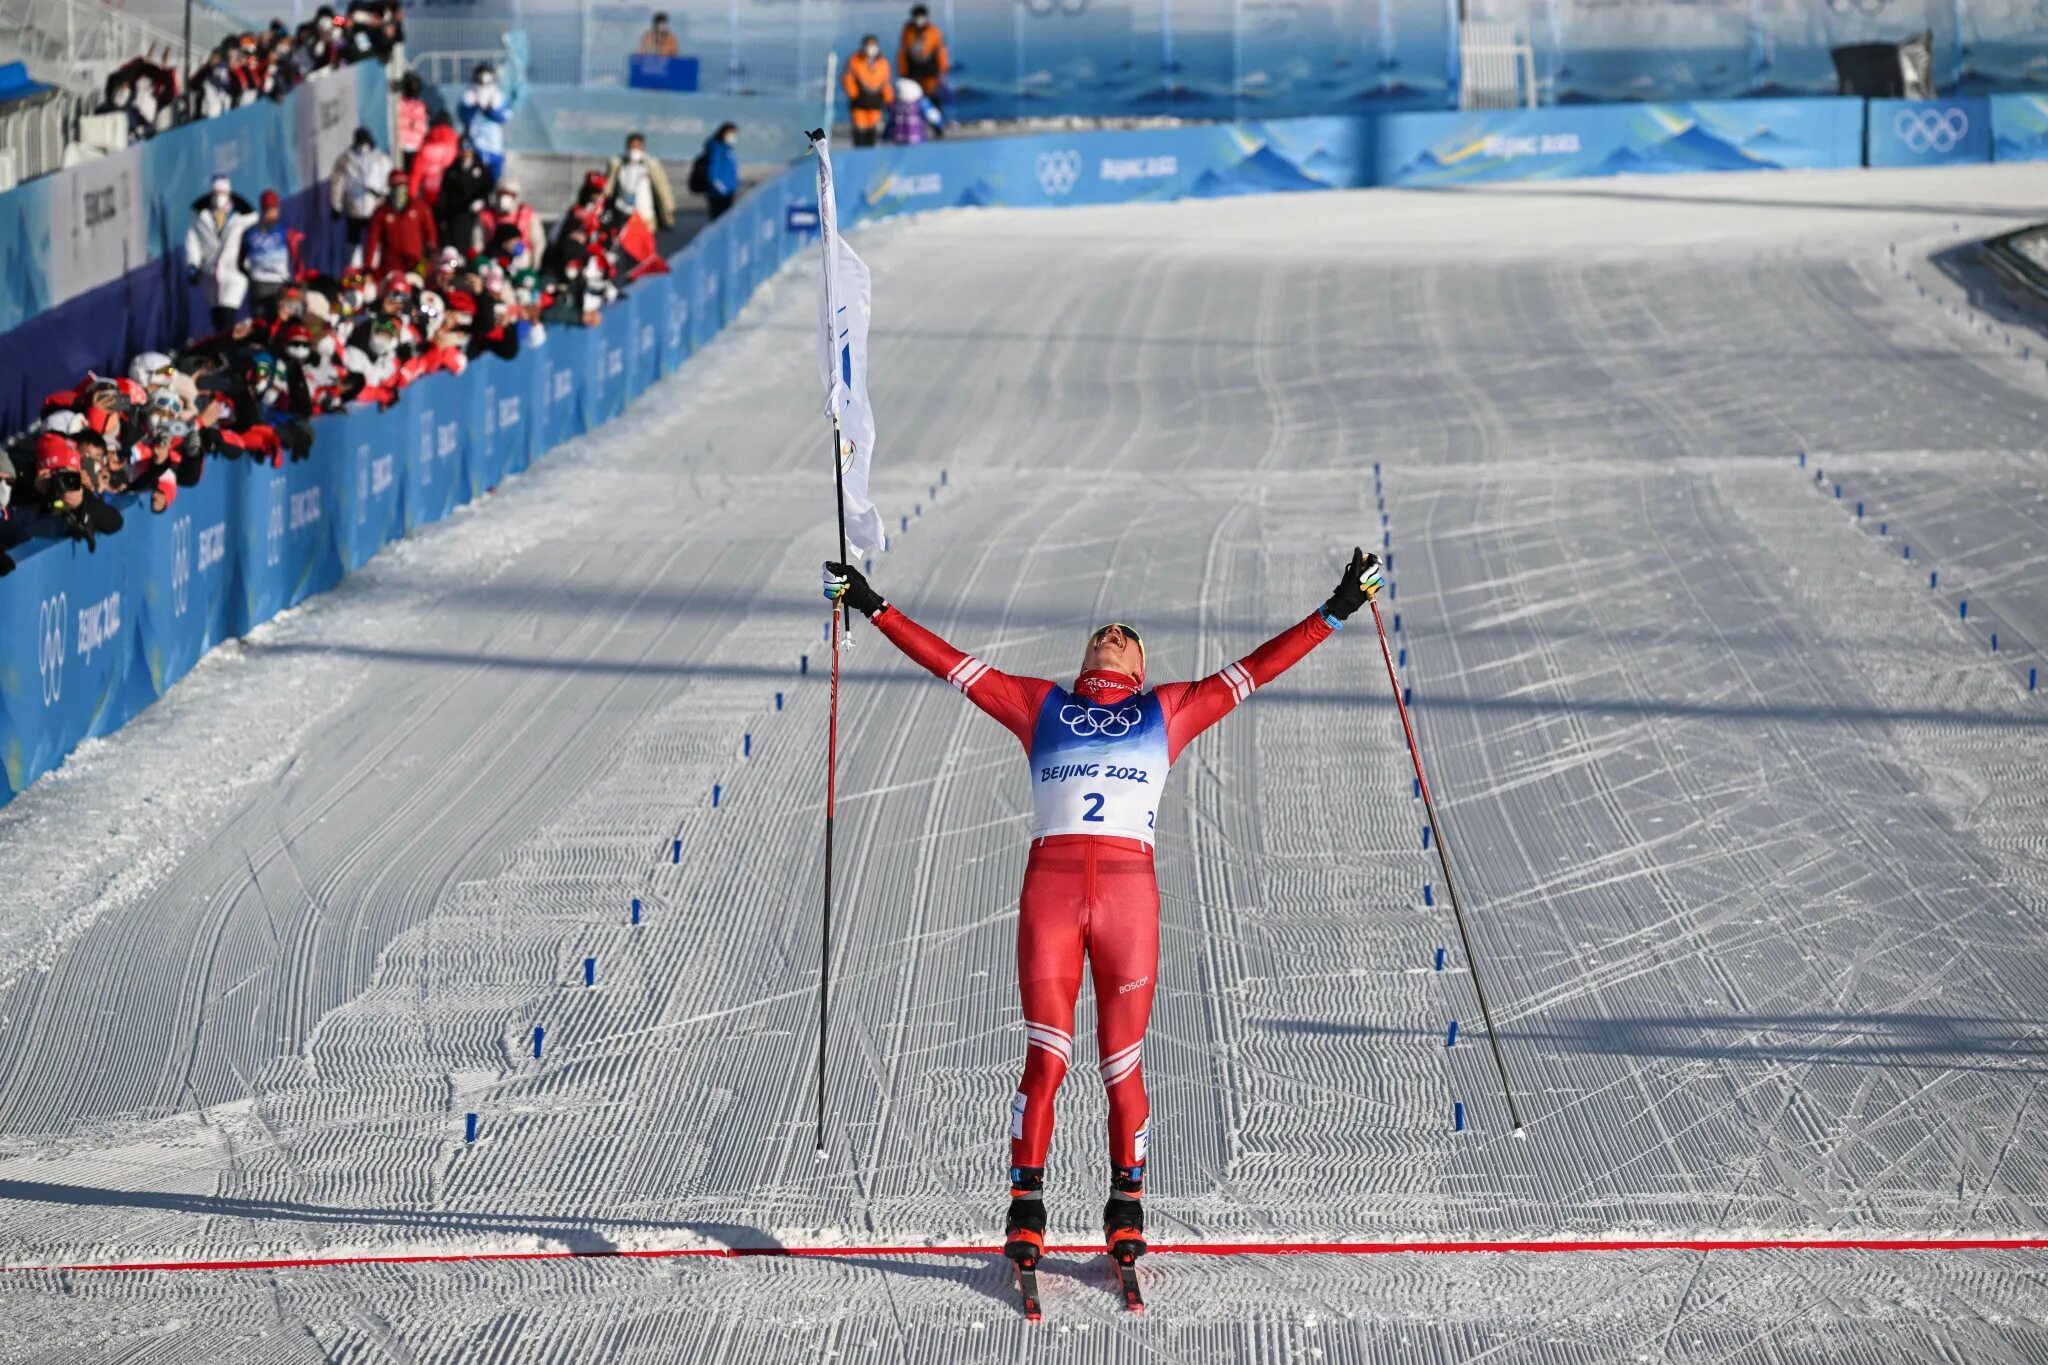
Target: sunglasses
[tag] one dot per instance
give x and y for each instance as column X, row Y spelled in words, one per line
column 1129, row 634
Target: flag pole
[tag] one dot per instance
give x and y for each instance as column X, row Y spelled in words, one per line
column 831, row 793
column 839, row 625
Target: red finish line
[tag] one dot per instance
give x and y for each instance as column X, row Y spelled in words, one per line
column 1181, row 1249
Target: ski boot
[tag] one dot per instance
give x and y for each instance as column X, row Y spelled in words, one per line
column 1024, row 1232
column 1123, row 1232
column 1024, row 1228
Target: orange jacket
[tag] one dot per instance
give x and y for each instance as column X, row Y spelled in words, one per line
column 870, row 88
column 923, row 56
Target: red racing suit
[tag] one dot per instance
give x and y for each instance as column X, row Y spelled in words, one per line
column 1099, row 754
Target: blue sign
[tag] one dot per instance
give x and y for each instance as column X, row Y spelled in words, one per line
column 1928, row 132
column 802, row 218
column 649, row 72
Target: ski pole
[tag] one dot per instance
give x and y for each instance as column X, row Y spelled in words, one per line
column 1443, row 856
column 831, row 789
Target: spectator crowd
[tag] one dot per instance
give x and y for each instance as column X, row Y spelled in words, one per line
column 448, row 264
column 246, row 67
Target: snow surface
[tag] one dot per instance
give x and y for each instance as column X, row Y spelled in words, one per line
column 1749, row 818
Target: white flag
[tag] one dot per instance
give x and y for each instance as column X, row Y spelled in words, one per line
column 843, row 361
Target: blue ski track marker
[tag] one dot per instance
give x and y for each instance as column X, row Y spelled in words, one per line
column 1428, row 891
column 1439, row 959
column 590, row 971
column 1451, row 1038
column 1458, row 1117
column 539, row 1035
column 636, row 909
column 675, row 855
column 469, row 1128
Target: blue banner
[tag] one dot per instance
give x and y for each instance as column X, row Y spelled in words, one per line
column 2019, row 127
column 1629, row 139
column 1927, row 132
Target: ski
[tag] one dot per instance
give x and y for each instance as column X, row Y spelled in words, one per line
column 1027, row 1289
column 1127, row 1280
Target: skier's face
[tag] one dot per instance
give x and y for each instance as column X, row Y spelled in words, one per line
column 1115, row 648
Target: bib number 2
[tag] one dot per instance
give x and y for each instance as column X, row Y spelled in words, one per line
column 1094, row 811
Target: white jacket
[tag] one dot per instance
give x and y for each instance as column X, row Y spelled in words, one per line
column 360, row 182
column 213, row 247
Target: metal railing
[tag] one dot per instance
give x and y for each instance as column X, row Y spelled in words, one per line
column 35, row 132
column 77, row 44
column 1496, row 67
column 454, row 67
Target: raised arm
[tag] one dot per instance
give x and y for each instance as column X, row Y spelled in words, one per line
column 1011, row 700
column 1192, row 707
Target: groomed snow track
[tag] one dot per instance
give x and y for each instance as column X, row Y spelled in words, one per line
column 1750, row 819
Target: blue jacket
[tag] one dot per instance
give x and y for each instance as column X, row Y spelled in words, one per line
column 484, row 125
column 722, row 167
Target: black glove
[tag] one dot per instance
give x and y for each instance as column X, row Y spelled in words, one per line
column 844, row 583
column 1360, row 584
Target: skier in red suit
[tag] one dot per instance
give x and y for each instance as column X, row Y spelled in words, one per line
column 1099, row 754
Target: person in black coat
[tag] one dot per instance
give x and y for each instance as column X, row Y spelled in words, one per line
column 465, row 189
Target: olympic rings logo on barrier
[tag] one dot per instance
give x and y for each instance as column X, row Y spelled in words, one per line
column 1865, row 7
column 50, row 619
column 1059, row 172
column 1043, row 8
column 1090, row 721
column 1931, row 130
column 181, row 565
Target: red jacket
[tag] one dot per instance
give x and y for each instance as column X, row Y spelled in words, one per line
column 399, row 239
column 436, row 155
column 412, row 125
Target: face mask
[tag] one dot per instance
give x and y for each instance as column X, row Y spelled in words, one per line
column 325, row 28
column 299, row 353
column 505, row 203
column 380, row 344
column 919, row 22
column 123, row 96
column 486, row 81
column 871, row 52
column 399, row 198
column 636, row 155
column 220, row 199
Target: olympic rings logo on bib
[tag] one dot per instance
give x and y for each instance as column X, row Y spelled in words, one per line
column 1090, row 721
